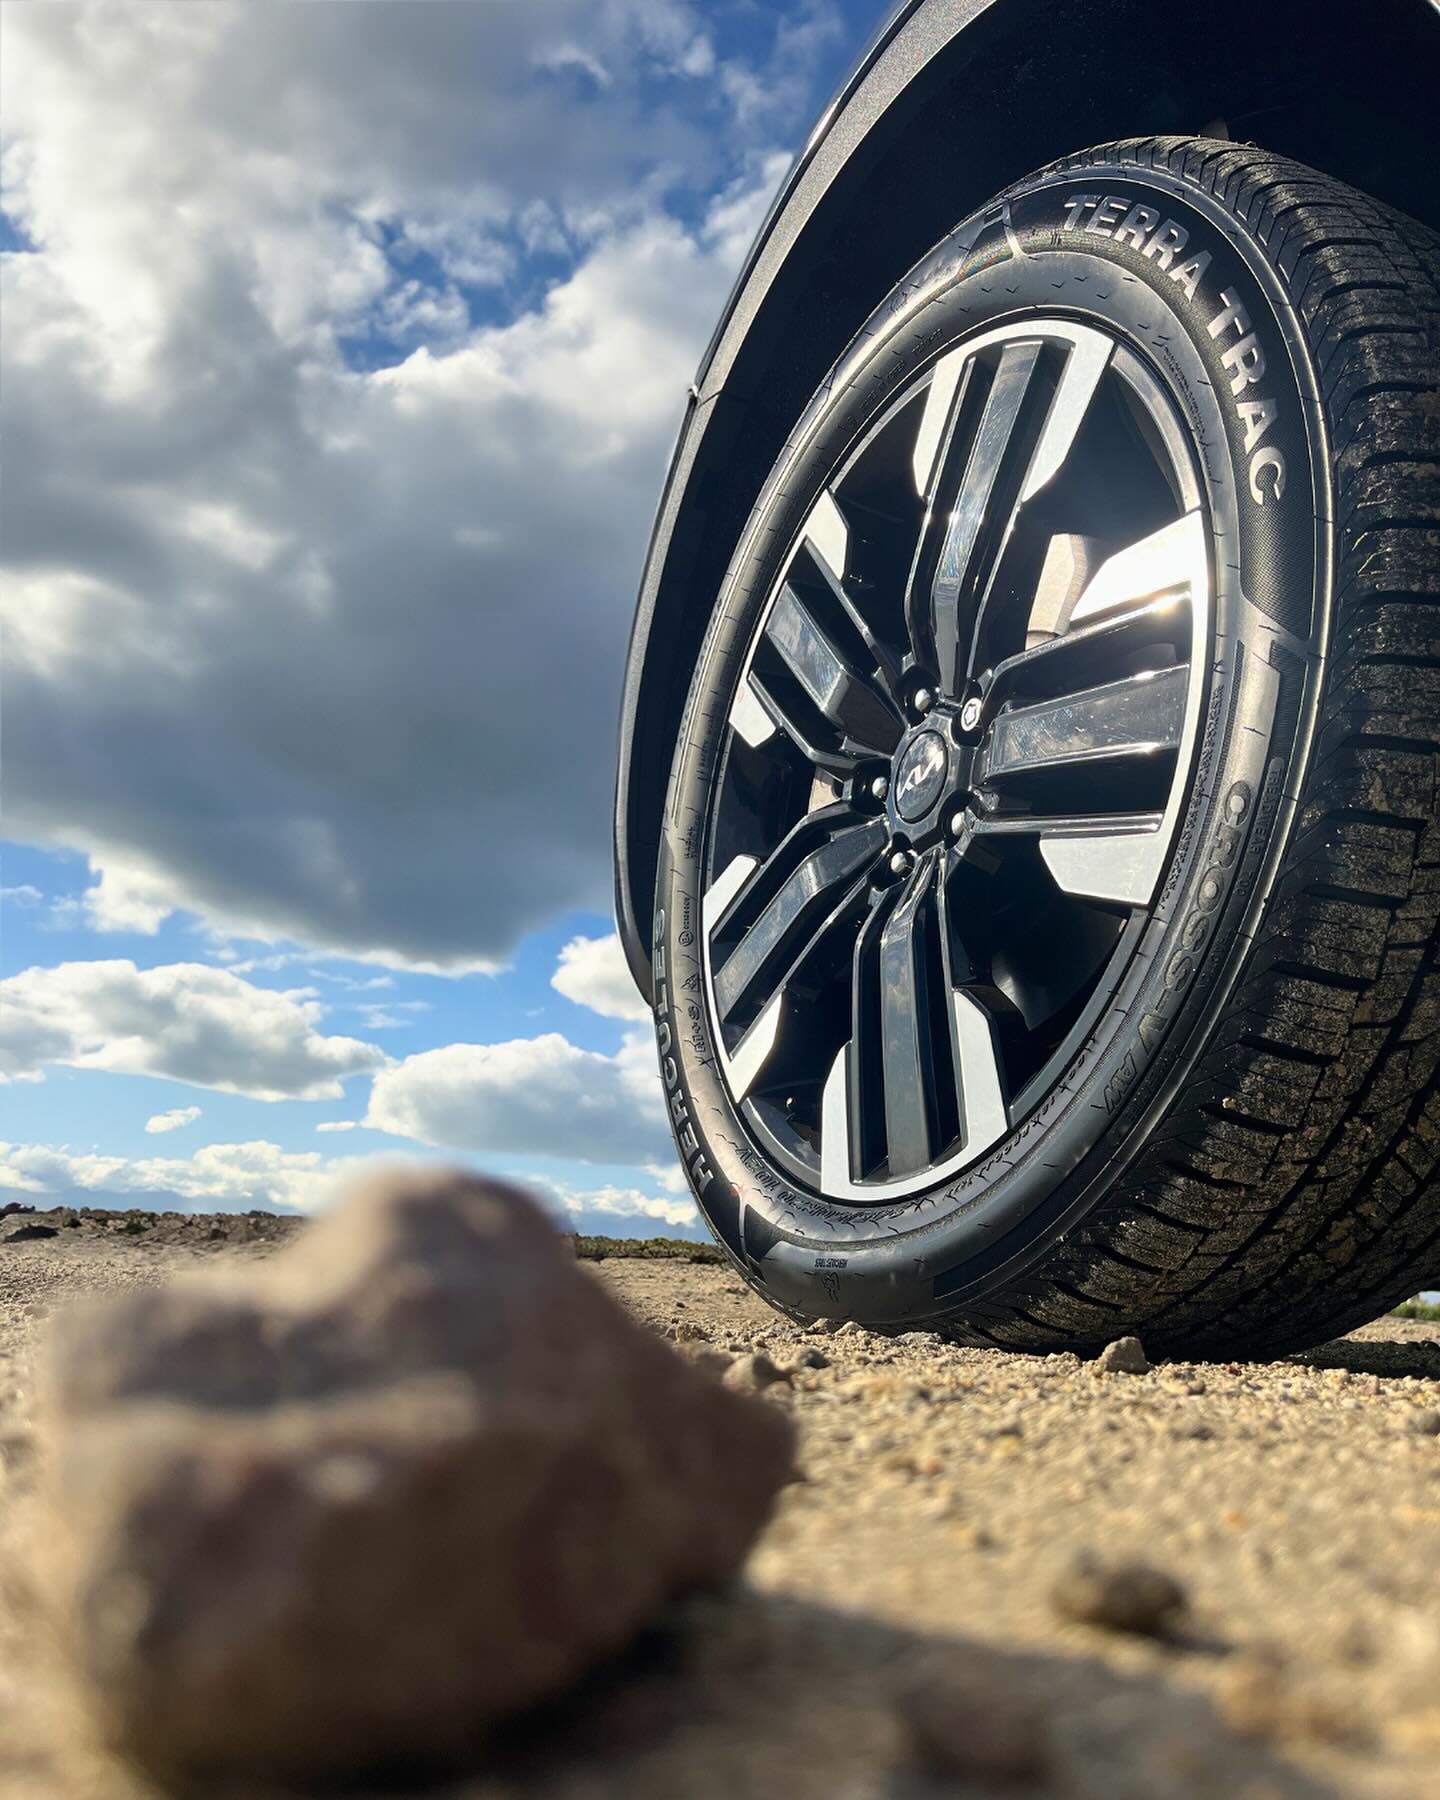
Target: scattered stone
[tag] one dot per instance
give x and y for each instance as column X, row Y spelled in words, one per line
column 688, row 1332
column 1258, row 1696
column 1126, row 1596
column 1126, row 1356
column 966, row 1725
column 1416, row 1733
column 28, row 1233
column 814, row 1359
column 755, row 1372
column 848, row 1328
column 357, row 1503
column 1427, row 1423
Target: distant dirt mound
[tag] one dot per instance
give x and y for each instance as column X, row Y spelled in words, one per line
column 21, row 1224
column 218, row 1231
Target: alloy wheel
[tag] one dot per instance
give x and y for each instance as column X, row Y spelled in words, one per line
column 957, row 760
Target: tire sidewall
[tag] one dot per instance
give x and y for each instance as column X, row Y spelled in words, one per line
column 1049, row 246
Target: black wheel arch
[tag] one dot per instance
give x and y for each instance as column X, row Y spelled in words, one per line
column 952, row 101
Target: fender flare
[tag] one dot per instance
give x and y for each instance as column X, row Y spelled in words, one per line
column 951, row 101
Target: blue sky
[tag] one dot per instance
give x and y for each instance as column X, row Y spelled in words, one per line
column 341, row 361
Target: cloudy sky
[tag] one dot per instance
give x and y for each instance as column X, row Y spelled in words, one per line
column 343, row 346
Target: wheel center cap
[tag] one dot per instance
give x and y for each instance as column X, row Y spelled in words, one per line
column 920, row 775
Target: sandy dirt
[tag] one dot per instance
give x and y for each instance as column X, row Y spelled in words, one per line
column 906, row 1581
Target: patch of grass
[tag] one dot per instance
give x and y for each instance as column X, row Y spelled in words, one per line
column 596, row 1249
column 1428, row 1310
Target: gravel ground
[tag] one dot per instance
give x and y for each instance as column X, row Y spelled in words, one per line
column 900, row 1635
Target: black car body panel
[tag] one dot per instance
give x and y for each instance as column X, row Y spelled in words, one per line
column 953, row 100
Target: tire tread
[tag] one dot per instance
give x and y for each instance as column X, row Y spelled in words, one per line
column 1291, row 1191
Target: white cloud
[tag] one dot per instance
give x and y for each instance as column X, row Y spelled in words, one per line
column 218, row 1178
column 763, row 99
column 172, row 1120
column 283, row 632
column 22, row 895
column 541, row 1095
column 238, row 1177
column 186, row 1021
column 128, row 897
column 337, row 1125
column 615, row 1203
column 389, row 1015
column 670, row 1176
column 593, row 972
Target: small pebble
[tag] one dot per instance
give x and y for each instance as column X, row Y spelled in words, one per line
column 964, row 1725
column 1128, row 1596
column 1427, row 1423
column 1126, row 1356
column 814, row 1359
column 754, row 1372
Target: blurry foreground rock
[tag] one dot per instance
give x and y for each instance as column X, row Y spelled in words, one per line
column 355, row 1505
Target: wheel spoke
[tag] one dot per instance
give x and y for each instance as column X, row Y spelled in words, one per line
column 780, row 714
column 1122, row 865
column 865, row 1071
column 1050, row 667
column 1169, row 561
column 835, row 1152
column 1058, row 825
column 828, row 535
column 1026, row 428
column 750, row 1055
column 939, row 461
column 788, row 917
column 985, row 1117
column 1141, row 716
column 1092, row 856
column 976, row 507
column 880, row 655
column 834, row 684
column 721, row 894
column 974, row 1049
column 750, row 716
column 1088, row 359
column 905, row 1001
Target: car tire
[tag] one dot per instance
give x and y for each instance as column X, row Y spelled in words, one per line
column 1046, row 912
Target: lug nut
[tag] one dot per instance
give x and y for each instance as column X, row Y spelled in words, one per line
column 924, row 700
column 902, row 862
column 879, row 787
column 957, row 824
column 970, row 714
